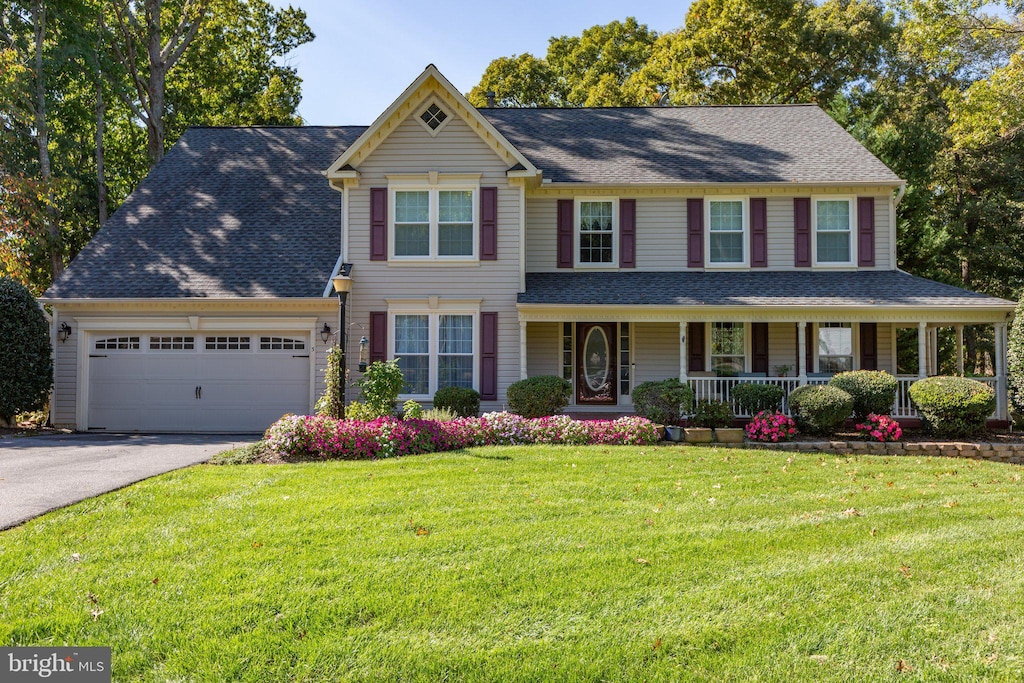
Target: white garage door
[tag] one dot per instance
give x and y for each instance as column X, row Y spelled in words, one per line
column 174, row 382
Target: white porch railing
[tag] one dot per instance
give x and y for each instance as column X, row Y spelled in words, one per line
column 720, row 389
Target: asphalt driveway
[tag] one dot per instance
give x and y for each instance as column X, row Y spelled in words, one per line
column 43, row 473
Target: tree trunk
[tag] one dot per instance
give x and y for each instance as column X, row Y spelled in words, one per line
column 157, row 84
column 43, row 141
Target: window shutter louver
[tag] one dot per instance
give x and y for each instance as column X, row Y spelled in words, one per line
column 489, row 356
column 695, row 233
column 869, row 346
column 758, row 234
column 378, row 336
column 802, row 232
column 378, row 224
column 695, row 346
column 488, row 224
column 565, row 233
column 759, row 347
column 866, row 231
column 627, row 233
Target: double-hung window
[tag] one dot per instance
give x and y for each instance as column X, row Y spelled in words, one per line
column 597, row 225
column 833, row 231
column 435, row 350
column 434, row 223
column 728, row 349
column 835, row 347
column 727, row 228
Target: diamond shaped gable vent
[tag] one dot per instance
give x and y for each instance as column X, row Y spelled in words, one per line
column 433, row 116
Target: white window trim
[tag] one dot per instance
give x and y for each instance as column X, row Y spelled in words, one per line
column 707, row 344
column 745, row 263
column 434, row 314
column 855, row 344
column 433, row 188
column 852, row 263
column 440, row 105
column 576, row 233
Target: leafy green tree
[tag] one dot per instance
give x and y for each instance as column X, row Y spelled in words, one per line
column 1015, row 364
column 26, row 366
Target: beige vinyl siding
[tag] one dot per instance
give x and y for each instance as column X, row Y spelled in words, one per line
column 655, row 351
column 661, row 233
column 883, row 237
column 455, row 149
column 65, row 375
column 780, row 234
column 541, row 235
column 543, row 349
column 886, row 359
column 782, row 347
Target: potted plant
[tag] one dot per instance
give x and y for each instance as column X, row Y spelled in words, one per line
column 663, row 403
column 718, row 415
column 782, row 370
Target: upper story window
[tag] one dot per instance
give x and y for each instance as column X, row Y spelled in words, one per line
column 833, row 231
column 597, row 232
column 727, row 225
column 434, row 223
column 835, row 347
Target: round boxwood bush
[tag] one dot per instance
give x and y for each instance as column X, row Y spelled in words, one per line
column 953, row 407
column 873, row 391
column 539, row 396
column 662, row 402
column 820, row 408
column 462, row 401
column 26, row 366
column 752, row 397
column 712, row 413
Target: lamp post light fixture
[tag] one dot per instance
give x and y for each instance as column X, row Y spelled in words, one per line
column 342, row 285
column 364, row 348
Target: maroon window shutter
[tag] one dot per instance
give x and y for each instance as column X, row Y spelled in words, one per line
column 695, row 346
column 759, row 347
column 565, row 233
column 627, row 233
column 865, row 231
column 801, row 232
column 758, row 235
column 378, row 224
column 809, row 347
column 489, row 356
column 378, row 336
column 488, row 224
column 869, row 346
column 695, row 233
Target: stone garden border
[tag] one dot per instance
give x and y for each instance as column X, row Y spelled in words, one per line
column 996, row 452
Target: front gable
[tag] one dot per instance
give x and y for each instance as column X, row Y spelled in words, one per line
column 413, row 106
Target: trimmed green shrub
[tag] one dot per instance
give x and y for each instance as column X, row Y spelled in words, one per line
column 539, row 396
column 820, row 408
column 462, row 401
column 1015, row 364
column 663, row 402
column 26, row 366
column 712, row 413
column 753, row 397
column 873, row 391
column 381, row 384
column 953, row 407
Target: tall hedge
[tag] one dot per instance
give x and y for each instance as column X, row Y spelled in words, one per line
column 26, row 364
column 1015, row 363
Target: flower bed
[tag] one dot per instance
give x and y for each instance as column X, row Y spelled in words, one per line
column 316, row 437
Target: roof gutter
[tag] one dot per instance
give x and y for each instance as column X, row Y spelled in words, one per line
column 547, row 183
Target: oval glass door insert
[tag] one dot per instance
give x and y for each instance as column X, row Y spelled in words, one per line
column 596, row 361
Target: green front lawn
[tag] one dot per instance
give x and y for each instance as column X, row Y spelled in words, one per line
column 538, row 563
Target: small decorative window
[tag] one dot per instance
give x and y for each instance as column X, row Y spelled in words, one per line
column 172, row 343
column 833, row 219
column 726, row 225
column 835, row 347
column 567, row 351
column 624, row 360
column 728, row 349
column 433, row 116
column 281, row 344
column 596, row 233
column 227, row 343
column 118, row 344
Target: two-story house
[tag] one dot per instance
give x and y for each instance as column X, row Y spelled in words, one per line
column 608, row 246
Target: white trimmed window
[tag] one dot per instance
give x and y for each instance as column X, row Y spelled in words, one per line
column 727, row 223
column 597, row 230
column 728, row 348
column 434, row 223
column 835, row 347
column 435, row 350
column 833, row 231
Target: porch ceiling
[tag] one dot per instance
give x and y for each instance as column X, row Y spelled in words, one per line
column 776, row 289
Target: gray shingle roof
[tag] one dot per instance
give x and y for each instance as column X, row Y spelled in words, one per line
column 792, row 144
column 754, row 288
column 229, row 212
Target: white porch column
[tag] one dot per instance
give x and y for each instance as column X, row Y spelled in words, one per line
column 960, row 350
column 1000, row 368
column 801, row 352
column 922, row 350
column 683, row 365
column 522, row 349
column 933, row 351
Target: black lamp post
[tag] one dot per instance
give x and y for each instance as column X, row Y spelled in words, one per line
column 342, row 285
